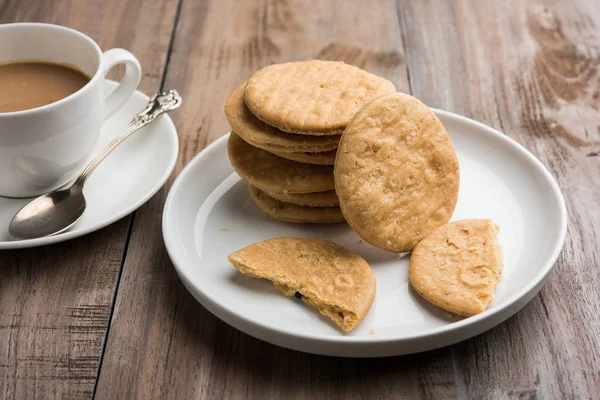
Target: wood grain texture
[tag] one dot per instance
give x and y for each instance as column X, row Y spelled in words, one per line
column 162, row 343
column 55, row 301
column 529, row 69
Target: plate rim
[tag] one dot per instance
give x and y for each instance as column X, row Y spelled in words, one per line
column 531, row 288
column 72, row 234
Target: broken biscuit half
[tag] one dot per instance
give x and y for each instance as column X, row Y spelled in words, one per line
column 458, row 265
column 335, row 280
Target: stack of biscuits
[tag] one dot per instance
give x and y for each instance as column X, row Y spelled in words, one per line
column 287, row 121
column 395, row 179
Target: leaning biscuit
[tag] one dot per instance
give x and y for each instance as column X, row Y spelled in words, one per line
column 275, row 174
column 396, row 173
column 457, row 266
column 266, row 137
column 338, row 282
column 288, row 212
column 312, row 97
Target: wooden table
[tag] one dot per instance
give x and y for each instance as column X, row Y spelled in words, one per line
column 105, row 315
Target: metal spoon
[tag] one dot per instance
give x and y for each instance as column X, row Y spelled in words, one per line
column 57, row 211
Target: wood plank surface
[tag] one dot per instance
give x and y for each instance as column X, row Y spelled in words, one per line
column 162, row 343
column 55, row 301
column 459, row 57
column 529, row 69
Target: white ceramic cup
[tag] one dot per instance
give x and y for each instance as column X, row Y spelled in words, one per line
column 43, row 148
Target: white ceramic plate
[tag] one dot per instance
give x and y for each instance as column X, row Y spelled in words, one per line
column 209, row 214
column 124, row 181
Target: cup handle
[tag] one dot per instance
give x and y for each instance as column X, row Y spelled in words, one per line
column 130, row 81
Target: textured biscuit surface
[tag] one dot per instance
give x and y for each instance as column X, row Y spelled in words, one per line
column 317, row 199
column 457, row 266
column 325, row 158
column 266, row 137
column 338, row 282
column 312, row 97
column 289, row 212
column 271, row 173
column 396, row 173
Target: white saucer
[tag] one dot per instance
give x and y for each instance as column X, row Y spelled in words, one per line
column 210, row 215
column 128, row 177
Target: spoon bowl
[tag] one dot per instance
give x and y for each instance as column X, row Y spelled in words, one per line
column 49, row 214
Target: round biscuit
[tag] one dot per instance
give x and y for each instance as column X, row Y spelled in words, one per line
column 317, row 199
column 312, row 97
column 266, row 137
column 325, row 158
column 271, row 173
column 294, row 213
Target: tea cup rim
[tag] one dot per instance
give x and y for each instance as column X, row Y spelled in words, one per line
column 99, row 73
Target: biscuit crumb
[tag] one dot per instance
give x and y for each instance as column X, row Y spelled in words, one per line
column 372, row 331
column 360, row 241
column 222, row 229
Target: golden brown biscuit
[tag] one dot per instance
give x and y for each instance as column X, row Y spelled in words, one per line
column 325, row 158
column 312, row 97
column 274, row 174
column 338, row 282
column 294, row 213
column 317, row 199
column 457, row 266
column 396, row 173
column 269, row 138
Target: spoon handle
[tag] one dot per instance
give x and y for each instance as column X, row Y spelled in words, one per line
column 159, row 103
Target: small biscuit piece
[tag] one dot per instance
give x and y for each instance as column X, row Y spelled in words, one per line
column 317, row 199
column 325, row 158
column 338, row 282
column 312, row 97
column 266, row 137
column 457, row 266
column 288, row 212
column 274, row 174
column 396, row 173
